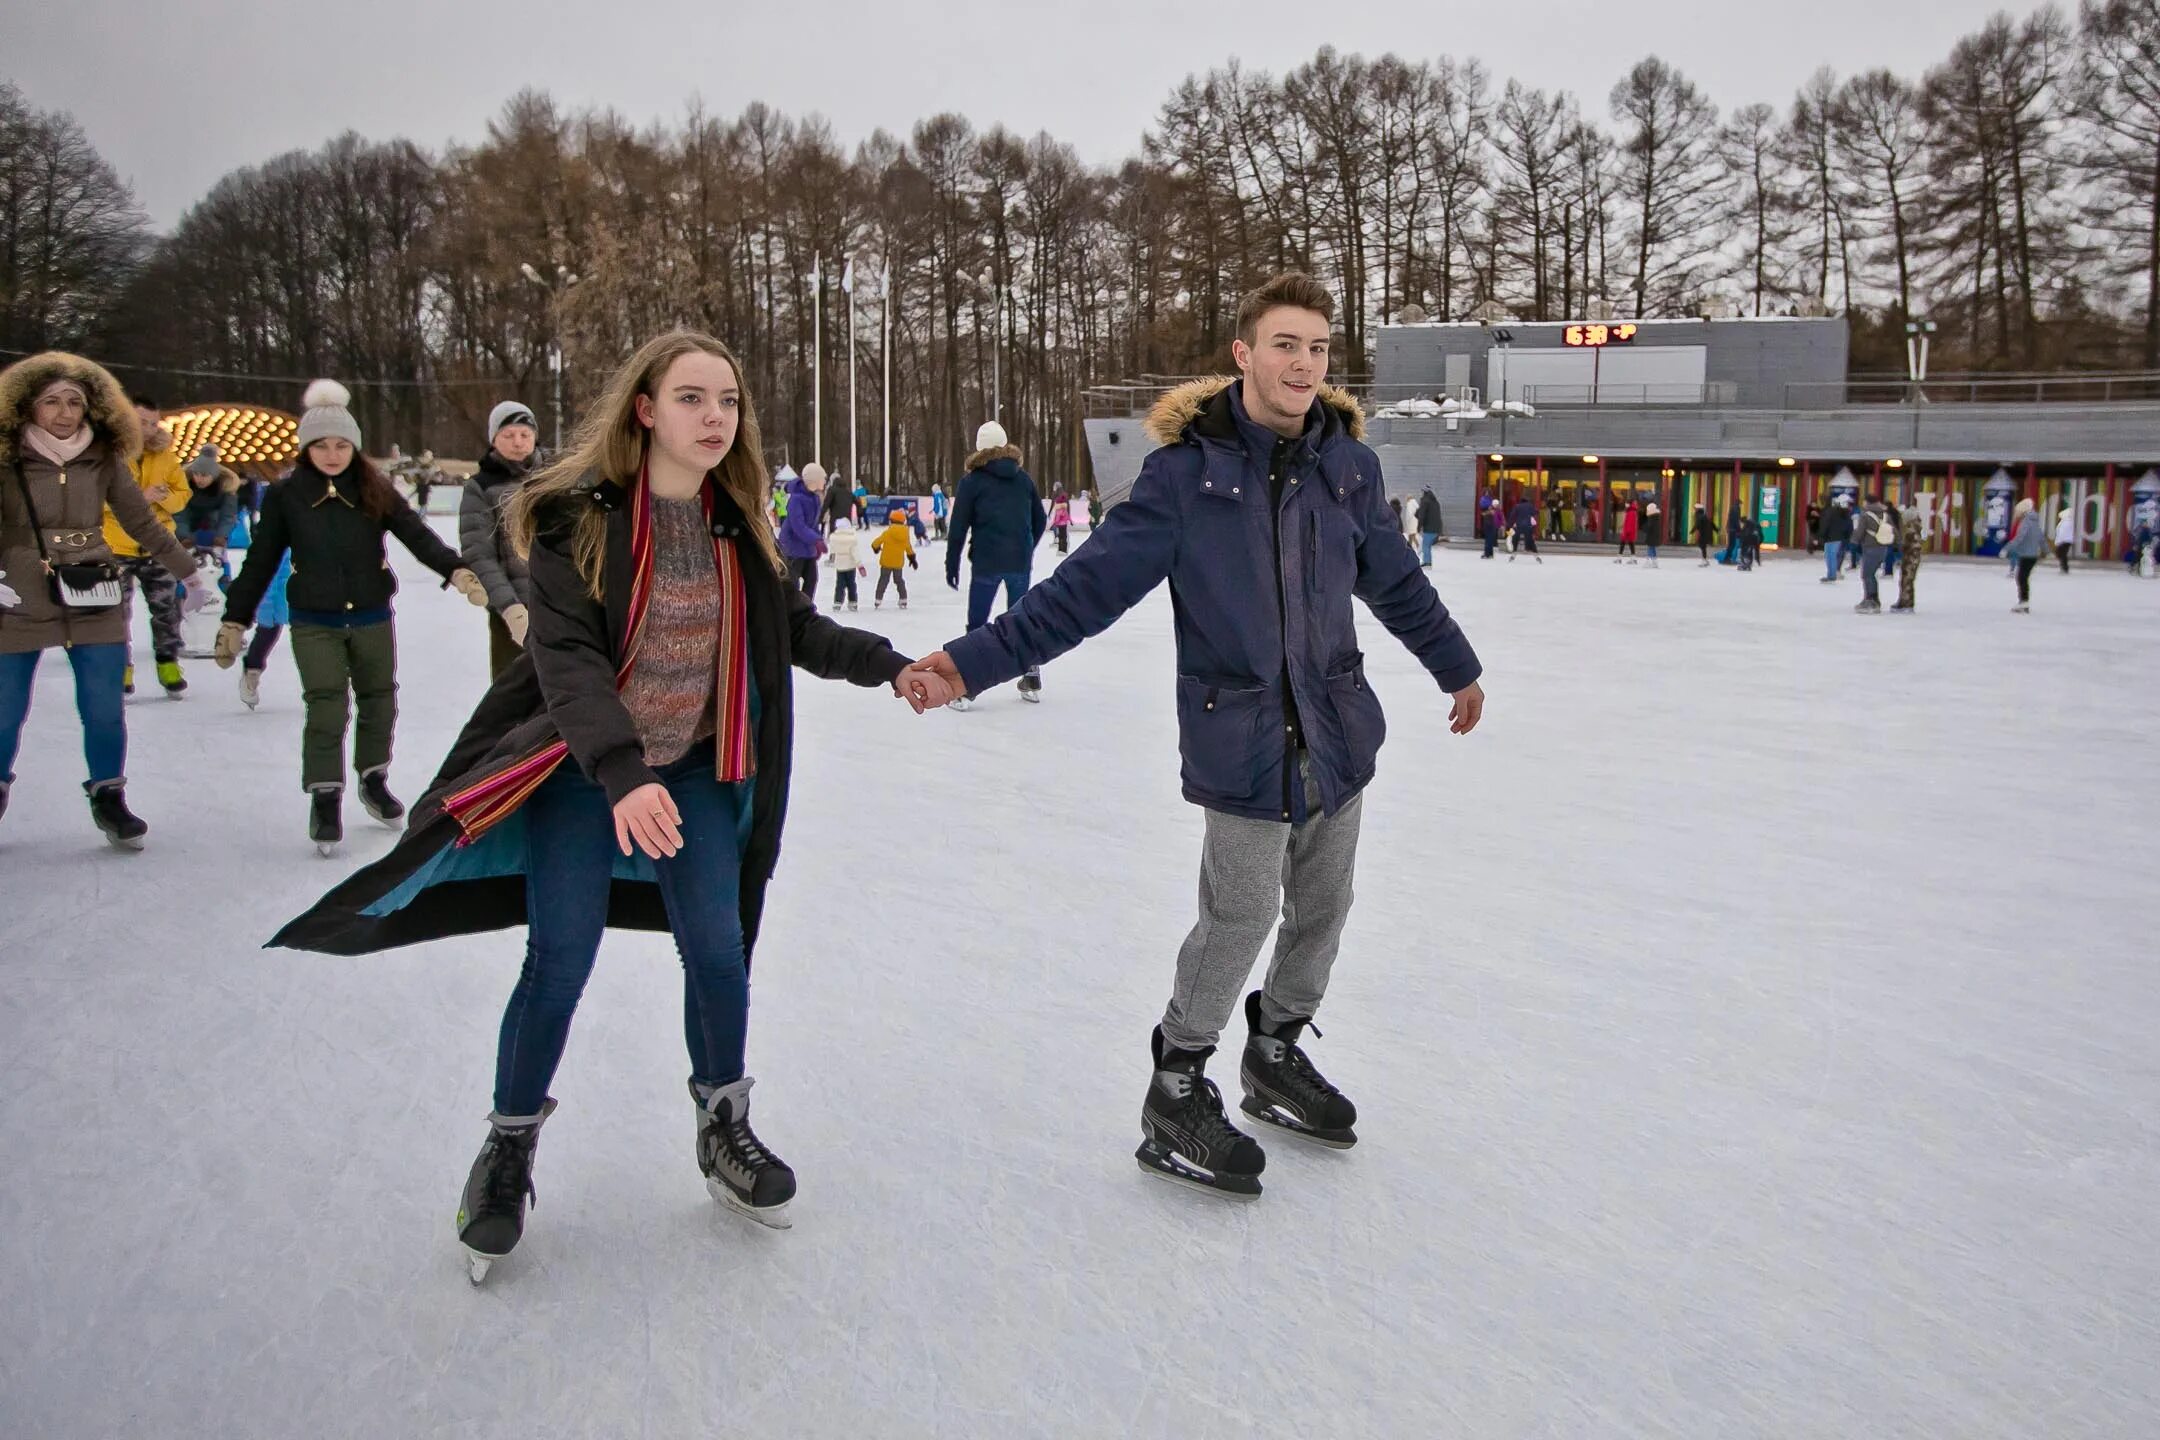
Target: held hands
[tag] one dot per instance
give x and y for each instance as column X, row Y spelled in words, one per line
column 196, row 590
column 648, row 815
column 1468, row 709
column 468, row 584
column 514, row 620
column 924, row 690
column 226, row 648
column 939, row 668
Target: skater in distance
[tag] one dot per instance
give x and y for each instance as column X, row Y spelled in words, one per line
column 1265, row 511
column 631, row 767
column 998, row 519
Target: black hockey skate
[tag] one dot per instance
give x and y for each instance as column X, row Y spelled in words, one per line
column 739, row 1171
column 1031, row 686
column 1189, row 1139
column 376, row 799
column 326, row 821
column 108, row 808
column 491, row 1214
column 1283, row 1088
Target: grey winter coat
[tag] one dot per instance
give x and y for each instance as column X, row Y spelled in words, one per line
column 486, row 550
column 2026, row 542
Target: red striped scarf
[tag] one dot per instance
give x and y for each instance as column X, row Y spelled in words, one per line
column 487, row 802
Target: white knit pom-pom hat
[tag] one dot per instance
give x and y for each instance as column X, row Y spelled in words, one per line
column 327, row 417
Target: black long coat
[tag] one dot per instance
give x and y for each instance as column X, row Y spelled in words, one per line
column 515, row 721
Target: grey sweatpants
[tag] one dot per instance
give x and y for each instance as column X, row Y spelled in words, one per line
column 1247, row 869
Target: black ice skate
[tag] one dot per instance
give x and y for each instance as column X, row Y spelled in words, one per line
column 376, row 799
column 326, row 822
column 491, row 1214
column 1189, row 1139
column 108, row 808
column 739, row 1171
column 1031, row 686
column 1283, row 1088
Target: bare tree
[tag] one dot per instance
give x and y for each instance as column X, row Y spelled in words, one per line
column 1531, row 139
column 2117, row 89
column 1996, row 168
column 1808, row 151
column 1671, row 188
column 1881, row 142
column 1757, row 158
column 71, row 234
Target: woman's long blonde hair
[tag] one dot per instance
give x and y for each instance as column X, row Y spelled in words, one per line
column 610, row 443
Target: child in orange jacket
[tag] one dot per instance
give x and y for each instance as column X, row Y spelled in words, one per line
column 895, row 548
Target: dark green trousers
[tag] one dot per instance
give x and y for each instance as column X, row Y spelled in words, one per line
column 337, row 669
column 501, row 648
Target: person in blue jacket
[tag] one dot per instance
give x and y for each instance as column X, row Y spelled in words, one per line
column 998, row 518
column 1266, row 512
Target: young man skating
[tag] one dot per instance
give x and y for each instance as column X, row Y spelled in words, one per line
column 1266, row 513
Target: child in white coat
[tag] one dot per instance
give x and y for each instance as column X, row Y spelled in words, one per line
column 847, row 562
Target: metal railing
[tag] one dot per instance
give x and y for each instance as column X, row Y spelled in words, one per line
column 2052, row 388
column 1880, row 392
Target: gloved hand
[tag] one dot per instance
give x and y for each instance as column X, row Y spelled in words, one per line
column 515, row 620
column 226, row 648
column 8, row 598
column 862, row 572
column 196, row 590
column 468, row 584
column 913, row 563
column 953, row 581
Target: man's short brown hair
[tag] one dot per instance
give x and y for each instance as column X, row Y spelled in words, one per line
column 1292, row 287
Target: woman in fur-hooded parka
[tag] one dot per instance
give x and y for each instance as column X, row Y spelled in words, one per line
column 67, row 481
column 70, row 501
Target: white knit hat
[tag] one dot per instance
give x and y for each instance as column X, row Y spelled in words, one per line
column 510, row 412
column 991, row 436
column 326, row 417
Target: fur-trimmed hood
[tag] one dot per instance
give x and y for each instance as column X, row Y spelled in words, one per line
column 228, row 482
column 158, row 441
column 111, row 416
column 981, row 458
column 1178, row 408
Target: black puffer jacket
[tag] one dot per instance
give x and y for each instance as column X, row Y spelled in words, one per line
column 339, row 567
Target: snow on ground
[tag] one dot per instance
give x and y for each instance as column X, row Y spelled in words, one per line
column 1752, row 1028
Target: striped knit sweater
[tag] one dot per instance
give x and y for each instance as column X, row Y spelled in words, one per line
column 672, row 690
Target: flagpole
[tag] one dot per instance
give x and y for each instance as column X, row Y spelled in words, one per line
column 887, row 287
column 817, row 359
column 854, row 458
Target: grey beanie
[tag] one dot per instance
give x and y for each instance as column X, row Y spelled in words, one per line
column 205, row 463
column 326, row 417
column 510, row 412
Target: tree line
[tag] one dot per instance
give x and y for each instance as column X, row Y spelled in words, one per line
column 2011, row 194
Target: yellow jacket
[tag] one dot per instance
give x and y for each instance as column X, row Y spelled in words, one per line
column 156, row 466
column 895, row 545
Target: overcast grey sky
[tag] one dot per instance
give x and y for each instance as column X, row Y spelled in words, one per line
column 177, row 94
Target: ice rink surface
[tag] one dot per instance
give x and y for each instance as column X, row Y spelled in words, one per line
column 1752, row 1027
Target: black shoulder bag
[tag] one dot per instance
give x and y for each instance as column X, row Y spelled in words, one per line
column 90, row 586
